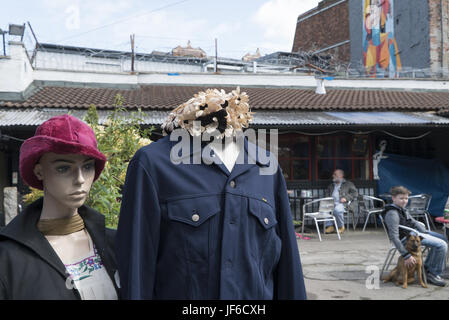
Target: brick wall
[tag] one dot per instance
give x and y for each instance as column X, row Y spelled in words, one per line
column 324, row 29
column 439, row 25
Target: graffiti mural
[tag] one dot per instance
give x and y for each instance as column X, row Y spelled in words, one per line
column 380, row 50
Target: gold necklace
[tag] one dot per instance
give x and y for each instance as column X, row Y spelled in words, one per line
column 61, row 226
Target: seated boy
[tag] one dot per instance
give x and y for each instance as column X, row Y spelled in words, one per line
column 395, row 215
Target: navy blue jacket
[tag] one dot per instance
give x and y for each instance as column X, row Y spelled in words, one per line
column 197, row 231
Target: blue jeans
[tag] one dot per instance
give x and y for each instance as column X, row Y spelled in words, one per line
column 436, row 258
column 339, row 211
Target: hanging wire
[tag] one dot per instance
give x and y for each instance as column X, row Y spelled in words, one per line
column 407, row 138
column 356, row 133
column 11, row 138
column 123, row 19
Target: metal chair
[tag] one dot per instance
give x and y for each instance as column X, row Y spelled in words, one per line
column 370, row 205
column 350, row 210
column 392, row 251
column 418, row 206
column 324, row 213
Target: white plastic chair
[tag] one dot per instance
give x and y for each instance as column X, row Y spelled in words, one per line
column 324, row 213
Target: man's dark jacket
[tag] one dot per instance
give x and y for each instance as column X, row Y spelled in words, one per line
column 198, row 231
column 347, row 190
column 29, row 267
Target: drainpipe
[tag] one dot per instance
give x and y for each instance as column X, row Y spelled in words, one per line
column 442, row 39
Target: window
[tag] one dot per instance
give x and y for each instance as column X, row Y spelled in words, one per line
column 349, row 153
column 294, row 157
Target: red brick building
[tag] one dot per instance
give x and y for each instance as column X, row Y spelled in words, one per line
column 325, row 29
column 419, row 27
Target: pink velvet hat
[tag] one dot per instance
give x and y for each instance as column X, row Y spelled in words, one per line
column 62, row 135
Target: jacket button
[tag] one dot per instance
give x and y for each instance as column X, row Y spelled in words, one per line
column 266, row 220
column 195, row 217
column 232, row 184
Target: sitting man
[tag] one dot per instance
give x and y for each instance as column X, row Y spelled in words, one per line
column 343, row 192
column 395, row 215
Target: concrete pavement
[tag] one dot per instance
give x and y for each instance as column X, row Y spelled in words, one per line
column 349, row 269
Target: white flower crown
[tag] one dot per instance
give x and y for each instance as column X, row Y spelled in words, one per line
column 216, row 109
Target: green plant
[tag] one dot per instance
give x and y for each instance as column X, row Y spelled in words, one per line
column 118, row 138
column 32, row 196
column 297, row 223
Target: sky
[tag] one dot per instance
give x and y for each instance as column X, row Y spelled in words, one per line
column 240, row 26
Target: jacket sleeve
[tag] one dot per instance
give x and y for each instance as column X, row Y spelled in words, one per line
column 329, row 190
column 137, row 238
column 289, row 280
column 392, row 222
column 352, row 191
column 419, row 225
column 3, row 293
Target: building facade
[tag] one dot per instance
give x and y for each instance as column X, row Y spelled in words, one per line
column 316, row 133
column 380, row 38
column 325, row 29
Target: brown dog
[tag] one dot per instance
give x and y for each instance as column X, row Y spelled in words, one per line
column 407, row 274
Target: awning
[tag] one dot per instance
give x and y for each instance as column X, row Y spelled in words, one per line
column 288, row 118
column 295, row 118
column 35, row 117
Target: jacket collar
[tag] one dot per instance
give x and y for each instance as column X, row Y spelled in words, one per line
column 245, row 161
column 401, row 211
column 397, row 207
column 23, row 229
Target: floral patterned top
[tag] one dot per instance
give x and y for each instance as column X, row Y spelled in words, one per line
column 90, row 277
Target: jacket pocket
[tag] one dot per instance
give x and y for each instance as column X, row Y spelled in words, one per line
column 265, row 240
column 263, row 212
column 194, row 223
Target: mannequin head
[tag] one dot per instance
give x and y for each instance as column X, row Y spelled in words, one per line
column 67, row 178
column 63, row 159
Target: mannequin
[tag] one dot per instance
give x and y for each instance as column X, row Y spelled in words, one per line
column 77, row 172
column 207, row 229
column 221, row 115
column 377, row 157
column 60, row 234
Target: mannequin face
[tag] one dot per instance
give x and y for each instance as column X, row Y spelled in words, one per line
column 67, row 178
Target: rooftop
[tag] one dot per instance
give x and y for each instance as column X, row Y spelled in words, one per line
column 166, row 97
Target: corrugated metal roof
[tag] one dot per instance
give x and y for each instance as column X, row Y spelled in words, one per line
column 295, row 118
column 385, row 118
column 292, row 118
column 34, row 117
